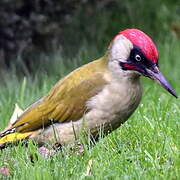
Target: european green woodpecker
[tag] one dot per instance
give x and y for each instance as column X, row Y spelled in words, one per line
column 103, row 93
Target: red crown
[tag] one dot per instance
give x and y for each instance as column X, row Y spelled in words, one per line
column 143, row 41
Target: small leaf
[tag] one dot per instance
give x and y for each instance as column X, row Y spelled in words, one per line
column 46, row 153
column 4, row 171
column 17, row 112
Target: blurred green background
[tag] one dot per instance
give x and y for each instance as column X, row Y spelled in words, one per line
column 32, row 32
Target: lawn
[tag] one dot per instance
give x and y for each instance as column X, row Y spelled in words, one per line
column 145, row 147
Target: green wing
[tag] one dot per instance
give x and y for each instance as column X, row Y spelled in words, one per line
column 66, row 101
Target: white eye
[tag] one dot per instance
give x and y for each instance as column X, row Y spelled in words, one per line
column 138, row 57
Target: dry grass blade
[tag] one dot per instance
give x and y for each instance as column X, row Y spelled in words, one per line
column 88, row 168
column 17, row 112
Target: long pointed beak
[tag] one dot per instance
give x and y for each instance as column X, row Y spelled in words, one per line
column 156, row 75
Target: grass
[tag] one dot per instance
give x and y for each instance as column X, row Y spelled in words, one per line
column 145, row 147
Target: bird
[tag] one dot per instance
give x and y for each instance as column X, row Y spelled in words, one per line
column 101, row 94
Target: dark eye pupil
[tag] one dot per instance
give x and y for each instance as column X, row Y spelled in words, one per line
column 138, row 57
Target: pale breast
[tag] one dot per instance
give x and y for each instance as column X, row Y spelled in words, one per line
column 114, row 104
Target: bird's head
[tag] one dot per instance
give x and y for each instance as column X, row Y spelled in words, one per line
column 133, row 53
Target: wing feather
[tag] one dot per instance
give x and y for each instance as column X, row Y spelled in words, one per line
column 67, row 100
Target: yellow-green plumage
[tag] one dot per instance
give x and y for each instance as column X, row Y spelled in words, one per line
column 65, row 102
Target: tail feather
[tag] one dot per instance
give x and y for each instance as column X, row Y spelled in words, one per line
column 10, row 135
column 13, row 137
